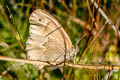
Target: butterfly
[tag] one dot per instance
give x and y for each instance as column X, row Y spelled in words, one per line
column 48, row 41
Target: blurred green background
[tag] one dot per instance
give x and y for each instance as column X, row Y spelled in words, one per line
column 78, row 17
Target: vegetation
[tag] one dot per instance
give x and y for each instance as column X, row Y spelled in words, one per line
column 100, row 46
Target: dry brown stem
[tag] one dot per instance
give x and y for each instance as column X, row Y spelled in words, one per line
column 97, row 66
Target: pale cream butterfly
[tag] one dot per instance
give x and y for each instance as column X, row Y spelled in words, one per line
column 48, row 41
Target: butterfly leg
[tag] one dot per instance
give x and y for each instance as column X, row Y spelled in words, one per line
column 50, row 63
column 74, row 62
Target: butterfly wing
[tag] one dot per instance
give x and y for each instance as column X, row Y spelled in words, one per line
column 48, row 40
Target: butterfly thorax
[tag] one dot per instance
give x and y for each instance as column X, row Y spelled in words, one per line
column 72, row 52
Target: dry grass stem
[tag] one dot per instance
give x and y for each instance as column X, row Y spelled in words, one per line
column 97, row 66
column 106, row 17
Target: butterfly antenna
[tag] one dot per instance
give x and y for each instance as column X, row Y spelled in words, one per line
column 53, row 31
column 13, row 22
column 79, row 41
column 77, row 45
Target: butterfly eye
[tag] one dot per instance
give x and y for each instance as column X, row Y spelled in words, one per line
column 39, row 19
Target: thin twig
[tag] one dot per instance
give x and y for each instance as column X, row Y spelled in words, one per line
column 89, row 10
column 86, row 66
column 66, row 7
column 74, row 7
column 98, row 33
